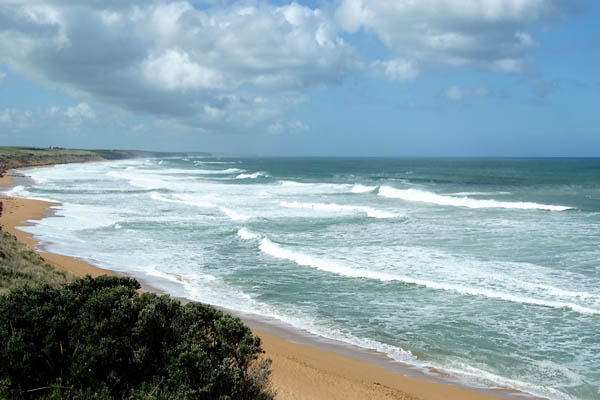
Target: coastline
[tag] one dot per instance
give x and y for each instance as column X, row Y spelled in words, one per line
column 17, row 212
column 301, row 370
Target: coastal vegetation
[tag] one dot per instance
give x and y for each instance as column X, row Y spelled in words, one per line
column 20, row 265
column 19, row 157
column 100, row 339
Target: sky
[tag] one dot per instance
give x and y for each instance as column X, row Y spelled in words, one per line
column 307, row 78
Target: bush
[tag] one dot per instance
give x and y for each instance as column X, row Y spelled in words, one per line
column 98, row 338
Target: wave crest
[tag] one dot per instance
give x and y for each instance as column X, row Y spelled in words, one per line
column 434, row 198
column 253, row 175
column 332, row 207
column 278, row 251
column 358, row 188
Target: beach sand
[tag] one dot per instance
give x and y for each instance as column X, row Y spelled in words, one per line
column 298, row 371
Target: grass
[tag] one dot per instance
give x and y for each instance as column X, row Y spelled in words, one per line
column 17, row 157
column 19, row 265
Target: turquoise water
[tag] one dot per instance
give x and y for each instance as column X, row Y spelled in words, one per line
column 486, row 268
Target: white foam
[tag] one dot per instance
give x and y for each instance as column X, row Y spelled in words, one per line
column 190, row 201
column 358, row 188
column 220, row 171
column 172, row 179
column 247, row 234
column 140, row 180
column 335, row 267
column 191, row 284
column 478, row 193
column 234, row 215
column 433, row 198
column 292, row 183
column 555, row 291
column 196, row 203
column 213, row 162
column 179, row 171
column 484, row 379
column 79, row 217
column 152, row 271
column 316, row 186
column 252, row 176
column 332, row 207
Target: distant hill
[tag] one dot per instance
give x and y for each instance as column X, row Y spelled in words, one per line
column 19, row 157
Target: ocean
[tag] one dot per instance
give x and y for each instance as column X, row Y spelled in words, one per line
column 486, row 269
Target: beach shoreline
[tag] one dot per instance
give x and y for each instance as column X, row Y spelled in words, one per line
column 304, row 367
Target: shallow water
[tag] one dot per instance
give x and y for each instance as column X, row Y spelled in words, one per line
column 486, row 268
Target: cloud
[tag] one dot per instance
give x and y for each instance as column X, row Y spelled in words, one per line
column 80, row 111
column 488, row 34
column 70, row 118
column 2, row 76
column 14, row 119
column 202, row 66
column 224, row 66
column 455, row 93
column 396, row 70
column 173, row 70
column 279, row 127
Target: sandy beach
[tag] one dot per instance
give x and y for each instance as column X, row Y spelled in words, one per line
column 299, row 371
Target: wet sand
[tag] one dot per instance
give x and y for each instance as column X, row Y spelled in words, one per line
column 299, row 371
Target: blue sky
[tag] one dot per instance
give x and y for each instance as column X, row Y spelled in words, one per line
column 341, row 78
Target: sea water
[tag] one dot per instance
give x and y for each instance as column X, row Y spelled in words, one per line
column 487, row 269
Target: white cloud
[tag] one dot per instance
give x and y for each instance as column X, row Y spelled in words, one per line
column 74, row 119
column 279, row 127
column 200, row 66
column 173, row 70
column 5, row 116
column 509, row 65
column 80, row 111
column 15, row 119
column 456, row 93
column 205, row 66
column 482, row 33
column 2, row 76
column 396, row 70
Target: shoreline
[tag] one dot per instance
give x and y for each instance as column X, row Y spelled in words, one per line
column 304, row 366
column 17, row 212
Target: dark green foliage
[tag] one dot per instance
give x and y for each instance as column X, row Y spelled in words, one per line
column 98, row 338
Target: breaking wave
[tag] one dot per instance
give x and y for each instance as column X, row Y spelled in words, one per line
column 253, row 175
column 434, row 198
column 307, row 260
column 332, row 207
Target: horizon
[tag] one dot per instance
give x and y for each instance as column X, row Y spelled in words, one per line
column 208, row 154
column 349, row 78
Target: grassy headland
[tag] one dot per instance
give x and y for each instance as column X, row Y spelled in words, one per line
column 20, row 157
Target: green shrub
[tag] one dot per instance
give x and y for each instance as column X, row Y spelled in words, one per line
column 98, row 338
